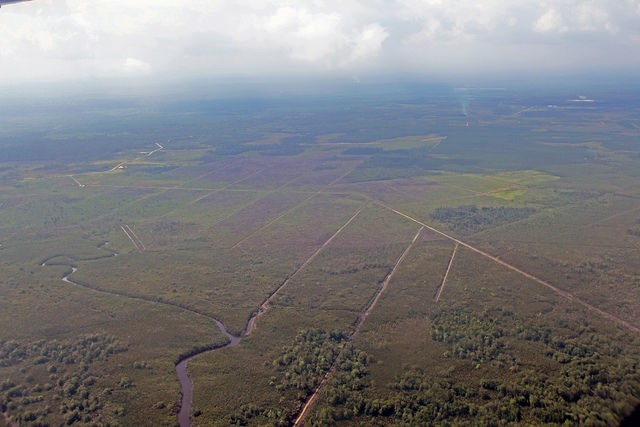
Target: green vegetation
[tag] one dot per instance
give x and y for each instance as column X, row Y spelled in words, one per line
column 57, row 381
column 588, row 378
column 241, row 195
column 635, row 231
column 471, row 218
column 305, row 362
column 349, row 380
column 252, row 415
column 194, row 351
column 299, row 369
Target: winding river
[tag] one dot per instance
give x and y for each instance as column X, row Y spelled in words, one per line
column 186, row 385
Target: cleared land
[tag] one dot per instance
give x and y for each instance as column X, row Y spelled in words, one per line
column 292, row 232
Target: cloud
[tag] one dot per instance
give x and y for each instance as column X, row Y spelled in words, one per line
column 300, row 34
column 587, row 17
column 368, row 42
column 551, row 21
column 312, row 37
column 62, row 39
column 135, row 66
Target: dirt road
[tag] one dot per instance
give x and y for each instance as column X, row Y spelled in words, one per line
column 264, row 307
column 283, row 214
column 134, row 239
column 361, row 319
column 544, row 283
column 446, row 274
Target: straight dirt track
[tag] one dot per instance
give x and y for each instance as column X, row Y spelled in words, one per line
column 134, row 239
column 361, row 318
column 232, row 340
column 446, row 274
column 264, row 307
column 364, row 314
column 283, row 214
column 544, row 283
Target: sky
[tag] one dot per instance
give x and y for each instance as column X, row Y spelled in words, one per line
column 57, row 40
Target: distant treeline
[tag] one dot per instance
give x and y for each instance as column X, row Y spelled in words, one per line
column 589, row 380
column 471, row 218
column 71, row 381
column 199, row 349
column 298, row 370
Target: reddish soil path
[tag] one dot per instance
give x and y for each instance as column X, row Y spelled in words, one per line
column 283, row 214
column 223, row 188
column 264, row 307
column 544, row 283
column 124, row 162
column 134, row 239
column 610, row 217
column 446, row 274
column 76, row 181
column 361, row 318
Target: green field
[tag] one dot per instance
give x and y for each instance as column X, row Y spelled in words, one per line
column 309, row 211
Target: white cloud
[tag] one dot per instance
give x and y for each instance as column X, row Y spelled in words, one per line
column 551, row 21
column 368, row 42
column 593, row 18
column 312, row 37
column 55, row 39
column 135, row 66
column 587, row 17
column 309, row 37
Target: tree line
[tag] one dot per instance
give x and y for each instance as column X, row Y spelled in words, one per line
column 590, row 379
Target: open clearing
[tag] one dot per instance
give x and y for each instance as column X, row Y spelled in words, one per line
column 314, row 272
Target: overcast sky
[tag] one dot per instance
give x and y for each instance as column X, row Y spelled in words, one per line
column 68, row 39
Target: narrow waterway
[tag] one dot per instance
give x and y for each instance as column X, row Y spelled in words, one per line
column 186, row 385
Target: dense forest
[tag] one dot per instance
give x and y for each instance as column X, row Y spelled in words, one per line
column 588, row 381
column 298, row 370
column 471, row 219
column 60, row 373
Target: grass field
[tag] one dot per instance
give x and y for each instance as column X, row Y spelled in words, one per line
column 537, row 320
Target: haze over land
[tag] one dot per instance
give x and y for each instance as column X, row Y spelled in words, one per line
column 312, row 213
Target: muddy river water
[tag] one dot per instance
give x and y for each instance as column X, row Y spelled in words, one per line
column 186, row 385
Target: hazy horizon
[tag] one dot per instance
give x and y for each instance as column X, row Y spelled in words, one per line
column 160, row 41
column 310, row 213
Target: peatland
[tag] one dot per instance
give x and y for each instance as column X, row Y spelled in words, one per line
column 365, row 256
